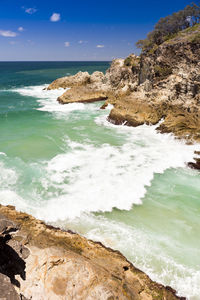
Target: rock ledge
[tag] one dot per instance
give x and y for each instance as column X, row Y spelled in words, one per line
column 44, row 262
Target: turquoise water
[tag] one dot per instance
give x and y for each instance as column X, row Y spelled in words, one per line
column 126, row 187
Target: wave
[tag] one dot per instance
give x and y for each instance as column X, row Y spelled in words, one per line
column 89, row 178
column 143, row 249
column 47, row 99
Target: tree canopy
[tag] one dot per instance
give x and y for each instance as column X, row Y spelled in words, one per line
column 169, row 26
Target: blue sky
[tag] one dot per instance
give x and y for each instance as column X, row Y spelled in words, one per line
column 77, row 30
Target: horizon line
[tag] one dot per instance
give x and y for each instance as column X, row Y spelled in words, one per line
column 55, row 61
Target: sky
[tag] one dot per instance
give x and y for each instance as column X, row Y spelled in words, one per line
column 80, row 30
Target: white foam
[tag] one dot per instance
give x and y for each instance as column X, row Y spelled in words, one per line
column 8, row 176
column 92, row 179
column 144, row 251
column 2, row 153
column 89, row 178
column 48, row 99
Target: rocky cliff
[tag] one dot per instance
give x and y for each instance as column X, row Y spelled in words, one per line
column 38, row 261
column 163, row 84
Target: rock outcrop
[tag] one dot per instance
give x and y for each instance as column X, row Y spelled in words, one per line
column 38, row 261
column 118, row 80
column 82, row 94
column 168, row 88
column 163, row 84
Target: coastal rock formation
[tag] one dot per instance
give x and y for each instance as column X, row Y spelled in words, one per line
column 168, row 88
column 162, row 85
column 82, row 94
column 42, row 262
column 81, row 78
column 118, row 80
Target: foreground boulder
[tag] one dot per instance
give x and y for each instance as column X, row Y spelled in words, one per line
column 43, row 262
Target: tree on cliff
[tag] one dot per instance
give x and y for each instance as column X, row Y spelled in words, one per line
column 169, row 26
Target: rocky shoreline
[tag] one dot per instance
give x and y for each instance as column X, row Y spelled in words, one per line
column 39, row 261
column 159, row 87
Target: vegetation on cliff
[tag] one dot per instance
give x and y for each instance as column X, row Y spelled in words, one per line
column 168, row 27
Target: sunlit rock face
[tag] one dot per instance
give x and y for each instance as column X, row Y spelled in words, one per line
column 43, row 262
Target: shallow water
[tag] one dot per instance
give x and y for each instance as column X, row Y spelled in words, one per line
column 126, row 187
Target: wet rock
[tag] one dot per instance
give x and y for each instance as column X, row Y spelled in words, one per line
column 195, row 165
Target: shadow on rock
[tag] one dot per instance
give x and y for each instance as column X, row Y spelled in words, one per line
column 11, row 263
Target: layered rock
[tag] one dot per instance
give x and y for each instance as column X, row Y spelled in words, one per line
column 168, row 88
column 42, row 262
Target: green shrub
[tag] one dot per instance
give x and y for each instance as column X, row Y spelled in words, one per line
column 195, row 38
column 162, row 71
column 167, row 28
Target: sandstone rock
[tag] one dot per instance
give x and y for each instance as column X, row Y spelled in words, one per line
column 162, row 84
column 64, row 265
column 7, row 290
column 118, row 80
column 81, row 78
column 132, row 111
column 168, row 87
column 82, row 94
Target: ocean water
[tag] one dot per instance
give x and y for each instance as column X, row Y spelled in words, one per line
column 127, row 187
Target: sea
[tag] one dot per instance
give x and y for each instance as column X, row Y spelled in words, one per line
column 129, row 188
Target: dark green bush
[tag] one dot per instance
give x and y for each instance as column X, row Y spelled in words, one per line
column 162, row 71
column 168, row 27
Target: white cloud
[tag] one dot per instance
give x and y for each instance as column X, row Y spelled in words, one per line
column 21, row 29
column 100, row 46
column 55, row 17
column 8, row 33
column 67, row 44
column 82, row 42
column 30, row 10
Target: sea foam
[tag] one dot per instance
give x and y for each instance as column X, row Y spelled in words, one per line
column 87, row 178
column 47, row 99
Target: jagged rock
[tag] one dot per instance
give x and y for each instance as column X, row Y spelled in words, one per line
column 64, row 265
column 161, row 84
column 134, row 112
column 168, row 87
column 118, row 80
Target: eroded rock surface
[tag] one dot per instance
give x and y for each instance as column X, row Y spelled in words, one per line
column 118, row 80
column 82, row 94
column 168, row 88
column 44, row 262
column 163, row 84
